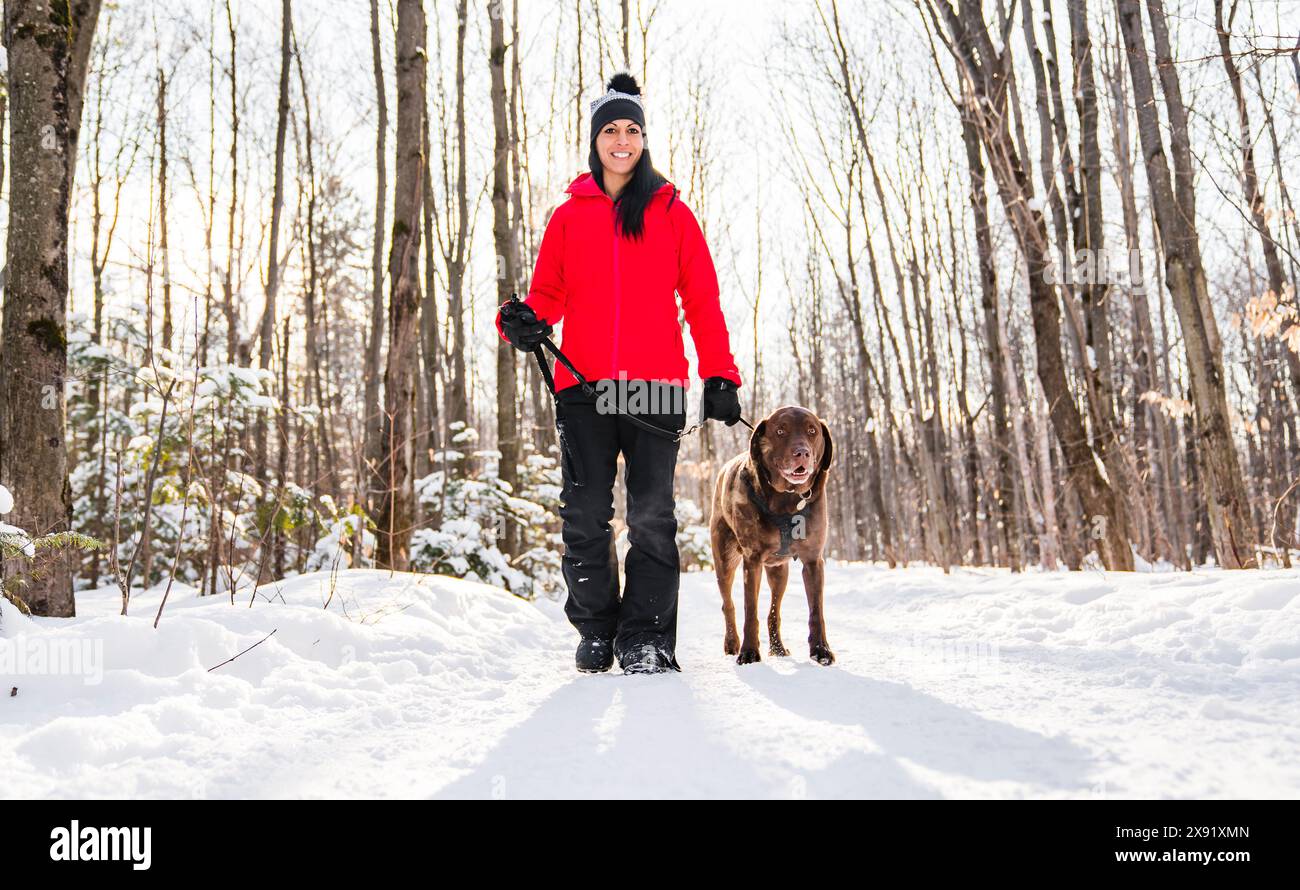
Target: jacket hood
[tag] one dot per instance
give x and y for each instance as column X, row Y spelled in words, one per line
column 585, row 187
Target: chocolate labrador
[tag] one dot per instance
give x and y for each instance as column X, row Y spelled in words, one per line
column 770, row 505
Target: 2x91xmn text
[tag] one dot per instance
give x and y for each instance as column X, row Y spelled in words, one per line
column 1190, row 831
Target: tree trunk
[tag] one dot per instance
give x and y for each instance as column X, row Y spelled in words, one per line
column 430, row 341
column 1174, row 208
column 48, row 52
column 1004, row 490
column 266, row 332
column 458, row 395
column 1089, row 242
column 228, row 282
column 1152, row 449
column 372, row 410
column 396, row 516
column 162, row 212
column 507, row 263
column 320, row 439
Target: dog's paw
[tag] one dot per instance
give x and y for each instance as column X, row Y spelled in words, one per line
column 821, row 653
column 777, row 650
column 730, row 645
column 748, row 656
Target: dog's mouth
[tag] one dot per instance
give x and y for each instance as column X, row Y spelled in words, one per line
column 797, row 473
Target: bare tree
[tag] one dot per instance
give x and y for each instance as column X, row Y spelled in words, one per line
column 396, row 515
column 507, row 264
column 266, row 328
column 1005, row 489
column 228, row 285
column 1175, row 212
column 454, row 227
column 983, row 70
column 1277, row 282
column 371, row 415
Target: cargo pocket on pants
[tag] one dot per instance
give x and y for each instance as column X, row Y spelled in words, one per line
column 571, row 460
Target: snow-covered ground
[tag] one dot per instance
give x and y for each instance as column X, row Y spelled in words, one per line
column 975, row 684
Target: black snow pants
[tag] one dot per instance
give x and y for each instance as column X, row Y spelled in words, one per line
column 591, row 439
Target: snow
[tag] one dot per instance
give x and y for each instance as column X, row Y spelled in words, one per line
column 14, row 535
column 366, row 683
column 18, row 538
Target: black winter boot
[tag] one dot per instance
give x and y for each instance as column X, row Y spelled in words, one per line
column 647, row 659
column 594, row 655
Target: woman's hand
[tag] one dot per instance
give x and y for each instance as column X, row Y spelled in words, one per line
column 522, row 327
column 721, row 401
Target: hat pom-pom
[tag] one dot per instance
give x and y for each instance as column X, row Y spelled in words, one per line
column 624, row 83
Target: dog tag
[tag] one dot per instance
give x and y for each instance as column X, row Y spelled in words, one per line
column 800, row 505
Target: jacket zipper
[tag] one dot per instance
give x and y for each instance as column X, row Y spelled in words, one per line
column 618, row 304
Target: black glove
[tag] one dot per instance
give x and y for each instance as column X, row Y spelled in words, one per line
column 522, row 327
column 720, row 401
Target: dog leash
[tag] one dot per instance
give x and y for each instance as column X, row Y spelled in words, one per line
column 590, row 391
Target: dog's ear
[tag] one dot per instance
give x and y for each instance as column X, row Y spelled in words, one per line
column 756, row 447
column 824, row 466
column 829, row 449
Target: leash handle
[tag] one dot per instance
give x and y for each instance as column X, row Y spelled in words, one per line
column 560, row 357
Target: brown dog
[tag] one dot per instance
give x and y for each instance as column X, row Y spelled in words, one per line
column 770, row 505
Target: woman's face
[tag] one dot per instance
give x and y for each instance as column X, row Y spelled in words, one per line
column 619, row 145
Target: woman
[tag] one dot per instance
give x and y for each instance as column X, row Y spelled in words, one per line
column 612, row 258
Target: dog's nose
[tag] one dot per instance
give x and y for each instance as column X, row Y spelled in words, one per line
column 801, row 452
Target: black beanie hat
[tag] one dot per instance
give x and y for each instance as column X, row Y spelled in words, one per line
column 621, row 102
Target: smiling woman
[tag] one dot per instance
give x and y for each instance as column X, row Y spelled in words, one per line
column 619, row 146
column 612, row 262
column 619, row 161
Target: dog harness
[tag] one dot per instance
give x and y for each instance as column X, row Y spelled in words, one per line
column 784, row 522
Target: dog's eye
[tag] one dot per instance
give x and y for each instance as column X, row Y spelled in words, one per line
column 812, row 431
column 780, row 431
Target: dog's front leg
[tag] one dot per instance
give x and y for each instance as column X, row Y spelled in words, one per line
column 814, row 575
column 749, row 642
column 725, row 565
column 777, row 576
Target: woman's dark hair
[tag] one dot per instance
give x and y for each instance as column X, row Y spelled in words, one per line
column 636, row 195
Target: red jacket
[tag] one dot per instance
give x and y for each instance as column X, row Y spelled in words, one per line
column 616, row 295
